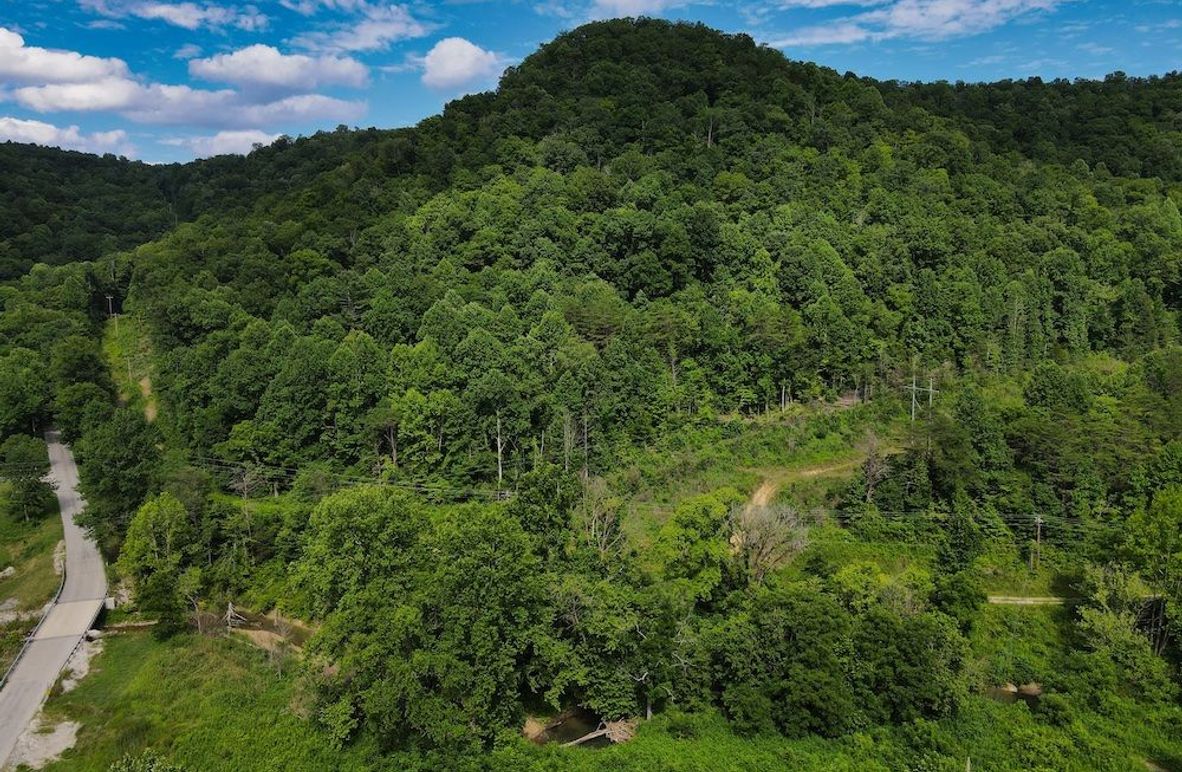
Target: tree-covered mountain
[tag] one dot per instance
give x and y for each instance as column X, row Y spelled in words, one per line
column 649, row 87
column 652, row 243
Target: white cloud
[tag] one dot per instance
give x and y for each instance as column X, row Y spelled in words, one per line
column 20, row 63
column 919, row 19
column 634, row 7
column 827, row 3
column 265, row 66
column 65, row 80
column 556, row 8
column 455, row 62
column 840, row 32
column 374, row 29
column 70, row 137
column 309, row 7
column 187, row 51
column 189, row 15
column 181, row 105
column 224, row 142
column 303, row 107
column 105, row 94
column 1160, row 26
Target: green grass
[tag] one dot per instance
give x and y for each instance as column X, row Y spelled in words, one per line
column 129, row 356
column 994, row 736
column 207, row 703
column 215, row 704
column 1018, row 644
column 835, row 546
column 27, row 547
column 739, row 454
column 1006, row 572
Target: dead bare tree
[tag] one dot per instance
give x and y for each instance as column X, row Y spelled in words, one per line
column 281, row 648
column 601, row 517
column 248, row 481
column 233, row 618
column 767, row 536
column 875, row 466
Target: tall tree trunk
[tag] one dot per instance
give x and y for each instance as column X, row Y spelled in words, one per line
column 500, row 452
column 585, row 444
column 568, row 439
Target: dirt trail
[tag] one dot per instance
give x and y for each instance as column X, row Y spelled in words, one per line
column 1029, row 600
column 775, row 479
column 764, row 493
column 149, row 401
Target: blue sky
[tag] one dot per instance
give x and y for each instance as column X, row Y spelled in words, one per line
column 165, row 80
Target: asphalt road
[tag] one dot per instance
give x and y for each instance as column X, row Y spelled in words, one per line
column 68, row 620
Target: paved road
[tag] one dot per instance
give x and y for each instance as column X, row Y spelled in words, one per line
column 68, row 620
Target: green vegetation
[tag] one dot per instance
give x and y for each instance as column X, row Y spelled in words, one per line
column 28, row 547
column 673, row 381
column 209, row 704
column 216, row 704
column 126, row 348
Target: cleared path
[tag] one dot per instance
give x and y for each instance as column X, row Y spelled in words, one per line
column 69, row 618
column 1030, row 600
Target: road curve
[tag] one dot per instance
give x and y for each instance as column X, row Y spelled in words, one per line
column 68, row 619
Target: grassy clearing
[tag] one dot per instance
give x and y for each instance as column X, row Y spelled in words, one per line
column 216, row 704
column 28, row 548
column 1018, row 644
column 803, row 452
column 207, row 703
column 129, row 355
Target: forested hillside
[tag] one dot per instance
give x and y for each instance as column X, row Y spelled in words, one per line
column 482, row 399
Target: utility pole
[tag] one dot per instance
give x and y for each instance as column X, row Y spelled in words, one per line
column 915, row 388
column 111, row 312
column 1036, row 551
column 1038, row 539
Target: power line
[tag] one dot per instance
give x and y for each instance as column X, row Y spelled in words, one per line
column 290, row 473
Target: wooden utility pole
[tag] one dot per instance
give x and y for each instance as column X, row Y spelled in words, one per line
column 1036, row 550
column 111, row 312
column 1038, row 540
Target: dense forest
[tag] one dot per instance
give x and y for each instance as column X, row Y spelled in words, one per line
column 418, row 387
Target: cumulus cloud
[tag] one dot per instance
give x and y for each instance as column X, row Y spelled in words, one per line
column 105, row 94
column 828, row 3
column 264, row 66
column 182, row 105
column 918, row 19
column 189, row 15
column 309, row 7
column 70, row 137
column 296, row 109
column 374, row 28
column 223, row 143
column 20, row 63
column 65, row 80
column 456, row 62
column 634, row 7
